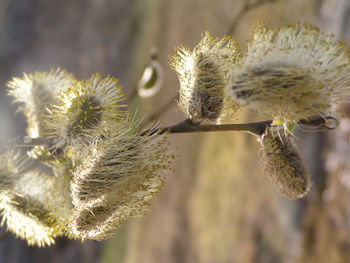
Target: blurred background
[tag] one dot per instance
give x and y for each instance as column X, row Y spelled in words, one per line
column 216, row 206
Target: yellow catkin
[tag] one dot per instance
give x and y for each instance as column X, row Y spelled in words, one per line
column 37, row 208
column 118, row 177
column 83, row 112
column 35, row 92
column 291, row 73
column 282, row 163
column 203, row 77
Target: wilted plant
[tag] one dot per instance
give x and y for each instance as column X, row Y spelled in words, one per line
column 94, row 165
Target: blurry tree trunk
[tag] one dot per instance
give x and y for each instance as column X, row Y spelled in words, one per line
column 325, row 228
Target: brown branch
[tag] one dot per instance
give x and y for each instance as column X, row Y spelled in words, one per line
column 187, row 126
column 255, row 128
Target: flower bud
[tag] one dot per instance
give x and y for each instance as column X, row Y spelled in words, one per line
column 37, row 207
column 83, row 112
column 282, row 163
column 203, row 76
column 37, row 91
column 120, row 173
column 291, row 73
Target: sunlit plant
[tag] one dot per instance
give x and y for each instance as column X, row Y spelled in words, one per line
column 93, row 163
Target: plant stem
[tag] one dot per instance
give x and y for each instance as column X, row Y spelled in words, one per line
column 186, row 126
column 255, row 128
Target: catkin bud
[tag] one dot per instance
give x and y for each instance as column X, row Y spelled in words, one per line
column 282, row 163
column 37, row 208
column 291, row 73
column 37, row 91
column 203, row 77
column 120, row 173
column 100, row 219
column 28, row 219
column 84, row 111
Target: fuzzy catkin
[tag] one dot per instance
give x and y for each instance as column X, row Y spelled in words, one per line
column 291, row 73
column 282, row 163
column 119, row 175
column 37, row 91
column 203, row 77
column 28, row 219
column 83, row 112
column 37, row 207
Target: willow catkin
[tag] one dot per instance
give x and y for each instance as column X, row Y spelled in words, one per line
column 282, row 163
column 291, row 73
column 83, row 112
column 120, row 173
column 35, row 92
column 98, row 220
column 203, row 77
column 37, row 208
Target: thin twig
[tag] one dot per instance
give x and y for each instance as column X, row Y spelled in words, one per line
column 255, row 128
column 187, row 126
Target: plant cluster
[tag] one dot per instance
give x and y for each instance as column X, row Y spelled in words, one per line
column 95, row 168
column 91, row 164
